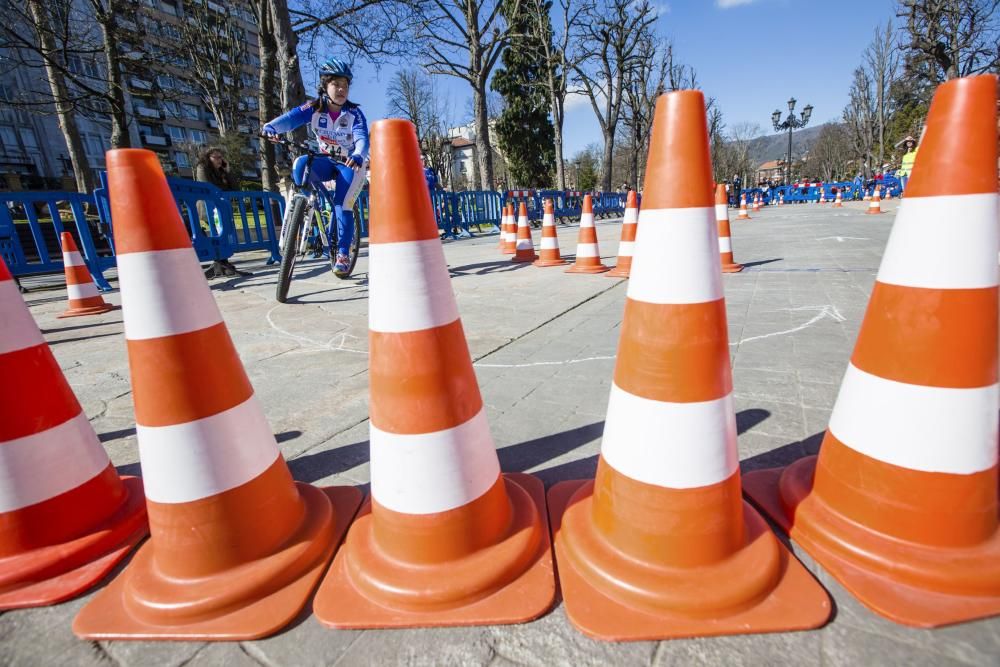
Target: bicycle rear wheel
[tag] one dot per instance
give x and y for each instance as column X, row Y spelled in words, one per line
column 290, row 247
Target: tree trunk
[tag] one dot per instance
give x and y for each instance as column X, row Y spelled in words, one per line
column 64, row 112
column 557, row 134
column 266, row 51
column 286, row 46
column 484, row 150
column 116, row 84
column 609, row 151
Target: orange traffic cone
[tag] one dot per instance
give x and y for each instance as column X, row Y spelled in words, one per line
column 888, row 193
column 502, row 243
column 236, row 546
column 84, row 299
column 901, row 504
column 550, row 240
column 729, row 265
column 510, row 237
column 661, row 544
column 66, row 518
column 875, row 204
column 743, row 215
column 756, row 204
column 838, row 201
column 822, row 196
column 446, row 539
column 626, row 247
column 588, row 255
column 525, row 246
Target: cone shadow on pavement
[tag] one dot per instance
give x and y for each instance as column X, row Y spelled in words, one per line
column 660, row 544
column 446, row 539
column 900, row 505
column 236, row 545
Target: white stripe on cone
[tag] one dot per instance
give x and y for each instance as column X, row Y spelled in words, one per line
column 549, row 243
column 653, row 441
column 930, row 242
column 73, row 258
column 523, row 244
column 915, row 426
column 675, row 250
column 586, row 219
column 164, row 293
column 44, row 465
column 725, row 244
column 631, row 216
column 17, row 328
column 721, row 212
column 433, row 472
column 626, row 248
column 587, row 250
column 411, row 295
column 81, row 291
column 202, row 458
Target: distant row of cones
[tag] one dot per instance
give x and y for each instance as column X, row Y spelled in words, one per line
column 901, row 506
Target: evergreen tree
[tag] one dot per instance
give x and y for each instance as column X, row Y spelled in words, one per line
column 524, row 130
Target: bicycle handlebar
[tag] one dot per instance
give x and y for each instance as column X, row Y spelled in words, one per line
column 303, row 146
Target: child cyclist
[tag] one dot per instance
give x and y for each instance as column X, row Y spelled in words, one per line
column 342, row 133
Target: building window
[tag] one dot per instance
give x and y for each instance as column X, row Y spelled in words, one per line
column 198, row 136
column 28, row 138
column 176, row 133
column 173, row 108
column 83, row 66
column 192, row 112
column 8, row 139
column 182, row 160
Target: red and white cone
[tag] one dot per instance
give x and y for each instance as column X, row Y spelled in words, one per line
column 588, row 255
column 549, row 255
column 626, row 247
column 84, row 299
column 743, row 215
column 838, row 202
column 524, row 249
column 729, row 265
column 875, row 205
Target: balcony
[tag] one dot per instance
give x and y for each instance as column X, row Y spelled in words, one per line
column 140, row 84
column 212, row 123
column 146, row 112
column 155, row 140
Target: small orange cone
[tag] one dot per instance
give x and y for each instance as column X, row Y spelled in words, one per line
column 901, row 504
column 875, row 204
column 756, row 204
column 743, row 215
column 729, row 265
column 588, row 255
column 502, row 243
column 236, row 545
column 550, row 240
column 781, row 199
column 66, row 518
column 888, row 193
column 510, row 235
column 838, row 201
column 446, row 539
column 626, row 247
column 84, row 299
column 822, row 196
column 662, row 544
column 525, row 246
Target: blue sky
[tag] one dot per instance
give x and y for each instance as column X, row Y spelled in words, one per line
column 751, row 55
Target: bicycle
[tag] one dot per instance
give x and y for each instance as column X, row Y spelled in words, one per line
column 315, row 205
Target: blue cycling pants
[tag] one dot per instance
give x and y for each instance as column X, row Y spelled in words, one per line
column 347, row 186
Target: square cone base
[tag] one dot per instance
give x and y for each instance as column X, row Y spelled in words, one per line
column 339, row 604
column 90, row 310
column 550, row 262
column 732, row 268
column 131, row 517
column 917, row 607
column 524, row 258
column 107, row 617
column 600, row 268
column 798, row 602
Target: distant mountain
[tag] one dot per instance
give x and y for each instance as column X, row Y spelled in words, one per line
column 775, row 146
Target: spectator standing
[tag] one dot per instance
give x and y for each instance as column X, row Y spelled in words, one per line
column 213, row 168
column 909, row 157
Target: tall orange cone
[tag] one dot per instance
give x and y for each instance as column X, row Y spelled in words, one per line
column 84, row 299
column 729, row 265
column 588, row 254
column 743, row 215
column 66, row 518
column 626, row 247
column 901, row 504
column 661, row 544
column 502, row 244
column 524, row 250
column 838, row 201
column 510, row 237
column 447, row 539
column 550, row 240
column 875, row 204
column 236, row 546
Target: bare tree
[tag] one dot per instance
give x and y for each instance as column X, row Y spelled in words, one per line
column 266, row 83
column 882, row 60
column 375, row 30
column 608, row 51
column 860, row 116
column 740, row 139
column 951, row 38
column 412, row 95
column 464, row 39
column 643, row 84
column 831, row 154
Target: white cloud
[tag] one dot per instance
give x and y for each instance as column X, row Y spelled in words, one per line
column 576, row 100
column 726, row 4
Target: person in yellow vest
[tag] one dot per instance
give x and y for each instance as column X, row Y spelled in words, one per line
column 909, row 157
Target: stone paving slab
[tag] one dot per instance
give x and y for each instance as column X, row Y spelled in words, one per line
column 543, row 343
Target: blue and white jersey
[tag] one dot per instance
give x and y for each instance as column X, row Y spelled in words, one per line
column 340, row 134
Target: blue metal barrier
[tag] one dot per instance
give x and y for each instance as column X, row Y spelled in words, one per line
column 20, row 211
column 254, row 206
column 478, row 207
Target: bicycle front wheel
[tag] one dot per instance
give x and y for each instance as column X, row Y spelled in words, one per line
column 290, row 249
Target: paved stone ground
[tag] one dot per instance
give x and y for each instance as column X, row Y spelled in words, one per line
column 543, row 342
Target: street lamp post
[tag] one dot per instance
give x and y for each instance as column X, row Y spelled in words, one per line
column 790, row 123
